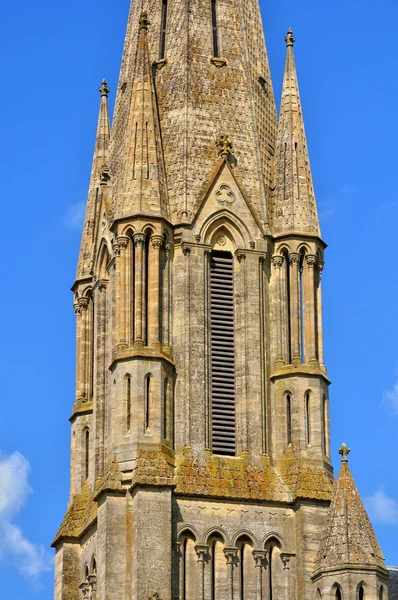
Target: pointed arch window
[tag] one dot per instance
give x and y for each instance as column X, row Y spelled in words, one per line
column 163, row 33
column 338, row 594
column 128, row 402
column 289, row 419
column 86, row 453
column 361, row 594
column 165, row 407
column 308, row 418
column 381, row 593
column 147, row 392
column 216, row 50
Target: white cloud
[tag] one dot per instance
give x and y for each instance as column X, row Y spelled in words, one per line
column 30, row 559
column 391, row 398
column 382, row 508
column 75, row 216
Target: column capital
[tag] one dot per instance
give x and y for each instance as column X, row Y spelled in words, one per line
column 123, row 242
column 295, row 259
column 277, row 261
column 157, row 241
column 311, row 260
column 168, row 248
column 320, row 264
column 202, row 551
column 240, row 255
column 81, row 305
column 186, row 250
column 84, row 589
column 230, row 554
column 286, row 558
column 260, row 556
column 139, row 239
column 92, row 580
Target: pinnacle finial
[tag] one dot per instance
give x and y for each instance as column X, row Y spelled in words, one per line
column 144, row 21
column 344, row 451
column 104, row 90
column 290, row 39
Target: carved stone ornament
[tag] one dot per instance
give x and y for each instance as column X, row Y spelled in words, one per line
column 230, row 555
column 311, row 260
column 201, row 552
column 221, row 241
column 139, row 239
column 295, row 259
column 122, row 242
column 154, row 595
column 277, row 261
column 225, row 146
column 186, row 250
column 224, row 194
column 84, row 590
column 157, row 241
column 259, row 557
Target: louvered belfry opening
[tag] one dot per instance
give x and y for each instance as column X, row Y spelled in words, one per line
column 222, row 353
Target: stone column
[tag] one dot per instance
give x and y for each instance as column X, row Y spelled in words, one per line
column 259, row 559
column 286, row 557
column 122, row 292
column 230, row 555
column 153, row 307
column 202, row 550
column 84, row 590
column 320, row 266
column 277, row 262
column 242, row 415
column 139, row 287
column 295, row 320
column 101, row 309
column 85, row 342
column 166, row 297
column 79, row 333
column 92, row 580
column 309, row 309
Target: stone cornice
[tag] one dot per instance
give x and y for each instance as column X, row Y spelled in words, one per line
column 81, row 409
column 132, row 353
column 297, row 371
column 347, row 567
column 297, row 235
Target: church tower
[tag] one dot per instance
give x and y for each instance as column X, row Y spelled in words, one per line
column 200, row 454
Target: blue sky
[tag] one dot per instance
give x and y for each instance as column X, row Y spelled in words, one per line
column 53, row 57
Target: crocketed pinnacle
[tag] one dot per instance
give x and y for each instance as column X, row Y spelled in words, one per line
column 294, row 200
column 145, row 188
column 100, row 161
column 349, row 539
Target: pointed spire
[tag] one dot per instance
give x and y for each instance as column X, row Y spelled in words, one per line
column 145, row 189
column 348, row 538
column 294, row 202
column 100, row 161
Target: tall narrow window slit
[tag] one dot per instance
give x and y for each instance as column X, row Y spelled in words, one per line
column 289, row 418
column 87, row 454
column 214, row 28
column 128, row 403
column 222, row 353
column 162, row 52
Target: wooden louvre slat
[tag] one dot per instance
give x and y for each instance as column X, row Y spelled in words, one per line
column 222, row 354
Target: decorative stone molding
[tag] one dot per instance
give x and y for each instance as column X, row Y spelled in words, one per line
column 186, row 250
column 218, row 62
column 202, row 551
column 154, row 595
column 157, row 241
column 277, row 261
column 139, row 239
column 225, row 195
column 260, row 556
column 295, row 259
column 230, row 554
column 84, row 590
column 168, row 248
column 102, row 284
column 310, row 259
column 240, row 255
column 92, row 580
column 225, row 146
column 123, row 242
column 221, row 241
column 286, row 558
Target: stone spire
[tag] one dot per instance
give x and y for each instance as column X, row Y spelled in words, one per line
column 294, row 207
column 100, row 162
column 349, row 539
column 145, row 189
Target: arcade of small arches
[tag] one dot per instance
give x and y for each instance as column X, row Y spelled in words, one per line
column 213, row 568
column 88, row 587
column 337, row 593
